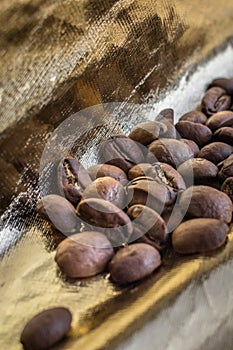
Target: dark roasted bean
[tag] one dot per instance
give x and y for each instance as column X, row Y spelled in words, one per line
column 194, row 116
column 102, row 214
column 170, row 151
column 215, row 100
column 220, row 120
column 60, row 212
column 133, row 263
column 72, row 178
column 192, row 145
column 46, row 329
column 196, row 132
column 106, row 188
column 199, row 236
column 226, row 84
column 227, row 187
column 206, row 202
column 147, row 132
column 101, row 170
column 84, row 254
column 147, row 221
column 215, row 152
column 166, row 117
column 226, row 168
column 224, row 134
column 121, row 151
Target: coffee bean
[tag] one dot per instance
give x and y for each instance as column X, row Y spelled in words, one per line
column 60, row 212
column 84, row 254
column 215, row 100
column 46, row 329
column 226, row 84
column 72, row 179
column 147, row 221
column 220, row 120
column 170, row 151
column 106, row 188
column 206, row 202
column 196, row 132
column 166, row 117
column 227, row 187
column 224, row 134
column 194, row 116
column 215, row 152
column 121, row 151
column 198, row 171
column 199, row 236
column 133, row 263
column 226, row 168
column 102, row 214
column 192, row 145
column 101, row 170
column 144, row 190
column 147, row 132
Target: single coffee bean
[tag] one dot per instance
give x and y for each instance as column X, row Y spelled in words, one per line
column 192, row 145
column 227, row 187
column 215, row 152
column 106, row 188
column 170, row 151
column 46, row 329
column 60, row 212
column 224, row 134
column 194, row 116
column 144, row 190
column 215, row 100
column 226, row 168
column 166, row 116
column 199, row 236
column 206, row 202
column 72, row 178
column 102, row 170
column 133, row 263
column 121, row 151
column 226, row 84
column 84, row 254
column 147, row 221
column 102, row 214
column 147, row 132
column 220, row 120
column 196, row 132
column 198, row 171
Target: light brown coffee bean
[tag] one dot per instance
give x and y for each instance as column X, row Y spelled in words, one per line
column 199, row 236
column 147, row 132
column 192, row 145
column 220, row 120
column 102, row 170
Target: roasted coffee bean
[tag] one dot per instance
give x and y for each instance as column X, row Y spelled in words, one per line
column 106, row 188
column 226, row 84
column 84, row 254
column 215, row 152
column 195, row 117
column 133, row 263
column 160, row 172
column 101, row 170
column 60, row 212
column 170, row 151
column 220, row 120
column 206, row 202
column 227, row 187
column 147, row 132
column 196, row 132
column 226, row 168
column 147, row 221
column 198, row 171
column 215, row 100
column 46, row 329
column 72, row 178
column 166, row 114
column 146, row 191
column 192, row 145
column 121, row 151
column 102, row 214
column 224, row 134
column 199, row 236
